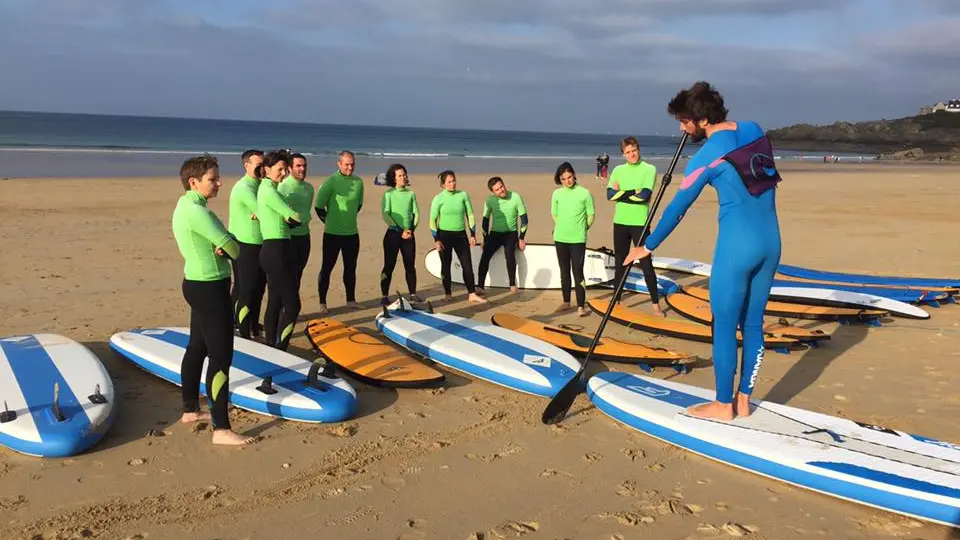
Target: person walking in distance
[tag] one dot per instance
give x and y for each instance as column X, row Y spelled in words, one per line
column 504, row 224
column 250, row 281
column 339, row 201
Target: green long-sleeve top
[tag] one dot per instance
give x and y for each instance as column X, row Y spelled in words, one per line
column 339, row 200
column 273, row 212
column 243, row 207
column 502, row 215
column 399, row 209
column 199, row 233
column 447, row 211
column 299, row 195
column 573, row 212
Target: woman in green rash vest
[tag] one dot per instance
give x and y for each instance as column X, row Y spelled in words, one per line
column 250, row 281
column 207, row 249
column 339, row 200
column 276, row 255
column 400, row 212
column 573, row 212
column 298, row 193
column 506, row 209
column 449, row 210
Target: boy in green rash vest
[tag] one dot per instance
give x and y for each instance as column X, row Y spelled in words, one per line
column 451, row 215
column 507, row 228
column 339, row 200
column 630, row 188
column 206, row 247
column 298, row 193
column 250, row 281
column 401, row 214
column 573, row 213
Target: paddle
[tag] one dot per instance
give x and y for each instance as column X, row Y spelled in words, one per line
column 560, row 404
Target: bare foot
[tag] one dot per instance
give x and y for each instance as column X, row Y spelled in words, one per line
column 322, row 310
column 191, row 417
column 353, row 304
column 513, row 288
column 713, row 410
column 582, row 311
column 480, row 291
column 474, row 298
column 742, row 404
column 657, row 311
column 563, row 307
column 227, row 437
column 448, row 298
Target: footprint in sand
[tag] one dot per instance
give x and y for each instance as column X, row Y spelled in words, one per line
column 393, row 483
column 633, row 454
column 656, row 467
column 627, row 489
column 496, row 455
column 550, row 473
column 344, row 430
column 630, row 519
column 592, row 457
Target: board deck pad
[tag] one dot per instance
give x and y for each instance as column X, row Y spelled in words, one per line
column 802, row 311
column 368, row 357
column 699, row 311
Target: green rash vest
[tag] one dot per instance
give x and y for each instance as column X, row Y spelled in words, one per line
column 447, row 210
column 631, row 208
column 399, row 209
column 339, row 200
column 199, row 233
column 243, row 205
column 505, row 213
column 273, row 212
column 299, row 195
column 573, row 212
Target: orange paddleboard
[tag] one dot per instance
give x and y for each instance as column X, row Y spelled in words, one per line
column 699, row 311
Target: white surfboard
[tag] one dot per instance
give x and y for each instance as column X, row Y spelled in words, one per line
column 480, row 349
column 871, row 465
column 537, row 267
column 56, row 398
column 289, row 395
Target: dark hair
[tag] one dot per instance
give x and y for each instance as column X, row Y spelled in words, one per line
column 564, row 167
column 276, row 156
column 297, row 155
column 346, row 153
column 444, row 174
column 629, row 141
column 699, row 102
column 196, row 167
column 493, row 181
column 391, row 178
column 244, row 157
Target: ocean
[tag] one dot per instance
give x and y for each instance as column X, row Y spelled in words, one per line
column 81, row 145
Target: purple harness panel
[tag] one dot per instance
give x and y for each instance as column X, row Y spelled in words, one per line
column 755, row 165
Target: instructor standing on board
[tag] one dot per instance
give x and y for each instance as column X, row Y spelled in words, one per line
column 339, row 200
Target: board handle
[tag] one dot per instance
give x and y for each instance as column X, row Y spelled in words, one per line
column 7, row 415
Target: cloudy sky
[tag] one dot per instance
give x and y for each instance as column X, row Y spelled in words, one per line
column 556, row 65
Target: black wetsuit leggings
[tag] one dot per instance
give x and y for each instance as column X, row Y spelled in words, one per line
column 333, row 244
column 283, row 304
column 301, row 253
column 491, row 243
column 211, row 335
column 250, row 284
column 625, row 237
column 393, row 243
column 455, row 241
column 571, row 258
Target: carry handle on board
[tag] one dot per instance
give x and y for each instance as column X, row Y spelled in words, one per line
column 560, row 404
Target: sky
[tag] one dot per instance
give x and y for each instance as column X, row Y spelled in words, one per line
column 598, row 66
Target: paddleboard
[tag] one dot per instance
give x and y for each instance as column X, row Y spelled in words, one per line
column 367, row 357
column 479, row 349
column 56, row 398
column 293, row 391
column 803, row 311
column 537, row 267
column 871, row 465
column 681, row 329
column 925, row 294
column 806, row 294
column 638, row 284
column 578, row 343
column 866, row 279
column 699, row 311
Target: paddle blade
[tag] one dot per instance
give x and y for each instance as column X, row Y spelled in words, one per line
column 560, row 404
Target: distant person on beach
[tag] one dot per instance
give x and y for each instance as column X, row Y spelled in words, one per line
column 250, row 281
column 207, row 248
column 402, row 215
column 277, row 219
column 737, row 160
column 630, row 188
column 603, row 161
column 298, row 193
column 451, row 216
column 339, row 200
column 573, row 213
column 504, row 224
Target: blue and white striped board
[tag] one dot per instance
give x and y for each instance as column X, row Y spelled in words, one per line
column 480, row 349
column 866, row 279
column 30, row 368
column 871, row 465
column 637, row 283
column 159, row 351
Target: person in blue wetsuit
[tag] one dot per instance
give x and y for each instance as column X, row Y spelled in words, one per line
column 736, row 158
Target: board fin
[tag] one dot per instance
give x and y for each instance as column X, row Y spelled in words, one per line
column 386, row 314
column 266, row 387
column 7, row 415
column 313, row 380
column 57, row 413
column 96, row 397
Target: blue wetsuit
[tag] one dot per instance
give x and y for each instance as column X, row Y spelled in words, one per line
column 740, row 167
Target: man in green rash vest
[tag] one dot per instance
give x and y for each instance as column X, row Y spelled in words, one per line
column 339, row 200
column 298, row 193
column 630, row 187
column 507, row 228
column 206, row 246
column 250, row 281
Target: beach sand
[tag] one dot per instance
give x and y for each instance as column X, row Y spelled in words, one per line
column 87, row 258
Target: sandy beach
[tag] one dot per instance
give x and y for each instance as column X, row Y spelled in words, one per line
column 90, row 257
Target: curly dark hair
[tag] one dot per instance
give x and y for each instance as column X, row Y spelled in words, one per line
column 699, row 102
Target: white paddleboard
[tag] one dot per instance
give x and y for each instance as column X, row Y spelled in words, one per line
column 537, row 267
column 480, row 349
column 637, row 283
column 867, row 464
column 39, row 420
column 159, row 351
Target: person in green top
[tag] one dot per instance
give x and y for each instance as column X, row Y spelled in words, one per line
column 399, row 209
column 277, row 218
column 630, row 187
column 250, row 281
column 507, row 228
column 298, row 193
column 449, row 211
column 573, row 213
column 206, row 248
column 339, row 200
